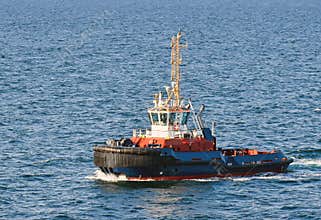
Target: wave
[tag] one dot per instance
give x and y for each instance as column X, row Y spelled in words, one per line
column 286, row 177
column 306, row 150
column 279, row 177
column 307, row 162
column 30, row 175
column 317, row 110
column 47, row 160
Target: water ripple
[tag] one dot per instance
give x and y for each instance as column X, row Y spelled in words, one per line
column 74, row 73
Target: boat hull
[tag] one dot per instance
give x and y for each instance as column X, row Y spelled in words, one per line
column 165, row 164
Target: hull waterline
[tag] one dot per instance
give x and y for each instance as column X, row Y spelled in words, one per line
column 166, row 165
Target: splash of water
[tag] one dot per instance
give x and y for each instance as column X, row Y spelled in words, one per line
column 308, row 162
column 317, row 110
column 99, row 175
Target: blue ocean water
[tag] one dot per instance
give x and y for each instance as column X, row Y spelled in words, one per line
column 75, row 73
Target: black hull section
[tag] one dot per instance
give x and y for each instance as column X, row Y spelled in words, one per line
column 112, row 157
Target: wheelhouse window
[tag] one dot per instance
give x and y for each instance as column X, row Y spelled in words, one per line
column 172, row 118
column 154, row 117
column 163, row 118
column 184, row 118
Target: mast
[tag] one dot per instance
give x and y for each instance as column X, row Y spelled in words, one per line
column 169, row 117
column 176, row 61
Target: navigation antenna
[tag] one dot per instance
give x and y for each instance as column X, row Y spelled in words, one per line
column 176, row 61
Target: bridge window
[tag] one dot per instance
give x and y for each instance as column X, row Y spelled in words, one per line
column 172, row 118
column 163, row 118
column 184, row 118
column 154, row 117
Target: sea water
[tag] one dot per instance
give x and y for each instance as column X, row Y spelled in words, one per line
column 75, row 73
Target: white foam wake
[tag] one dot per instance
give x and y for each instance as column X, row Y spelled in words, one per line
column 293, row 177
column 308, row 162
column 241, row 179
column 213, row 179
column 317, row 110
column 112, row 178
column 99, row 175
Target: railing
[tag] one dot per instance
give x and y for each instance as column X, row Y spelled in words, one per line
column 178, row 134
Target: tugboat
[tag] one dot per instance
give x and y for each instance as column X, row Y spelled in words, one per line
column 169, row 150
